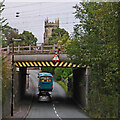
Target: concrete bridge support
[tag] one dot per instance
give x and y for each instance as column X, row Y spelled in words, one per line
column 80, row 86
column 22, row 85
column 19, row 84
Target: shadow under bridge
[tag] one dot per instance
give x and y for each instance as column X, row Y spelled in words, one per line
column 80, row 93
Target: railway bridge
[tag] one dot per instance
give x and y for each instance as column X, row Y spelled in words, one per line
column 41, row 55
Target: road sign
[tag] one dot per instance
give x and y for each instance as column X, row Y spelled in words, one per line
column 56, row 58
column 59, row 46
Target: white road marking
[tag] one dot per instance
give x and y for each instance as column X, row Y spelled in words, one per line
column 56, row 112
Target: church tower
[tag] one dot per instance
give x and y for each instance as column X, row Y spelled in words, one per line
column 49, row 26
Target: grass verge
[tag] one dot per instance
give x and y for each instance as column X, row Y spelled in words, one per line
column 63, row 85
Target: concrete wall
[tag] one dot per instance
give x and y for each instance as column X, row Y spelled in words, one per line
column 19, row 85
column 16, row 87
column 80, row 86
column 18, row 92
column 22, row 81
column 6, row 105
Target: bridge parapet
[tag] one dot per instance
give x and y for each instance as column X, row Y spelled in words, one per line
column 40, row 57
column 40, row 48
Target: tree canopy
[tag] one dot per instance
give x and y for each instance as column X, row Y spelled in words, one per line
column 27, row 37
column 95, row 44
column 9, row 33
column 2, row 24
column 59, row 35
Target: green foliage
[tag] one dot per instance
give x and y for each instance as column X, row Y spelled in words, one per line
column 59, row 35
column 9, row 33
column 62, row 73
column 105, row 105
column 95, row 44
column 3, row 43
column 27, row 37
column 48, row 69
column 6, row 80
column 63, row 85
column 66, row 72
column 2, row 19
column 58, row 72
column 2, row 25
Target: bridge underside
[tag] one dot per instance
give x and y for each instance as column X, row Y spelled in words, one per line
column 47, row 64
column 44, row 60
column 40, row 57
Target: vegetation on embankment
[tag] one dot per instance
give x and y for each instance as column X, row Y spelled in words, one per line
column 63, row 85
column 61, row 76
column 6, row 80
column 6, row 88
column 95, row 44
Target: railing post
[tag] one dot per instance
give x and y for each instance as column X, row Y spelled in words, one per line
column 18, row 48
column 29, row 48
column 54, row 47
column 42, row 47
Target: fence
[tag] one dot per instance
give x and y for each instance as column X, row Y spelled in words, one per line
column 33, row 49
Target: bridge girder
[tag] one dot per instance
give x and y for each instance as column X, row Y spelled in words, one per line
column 40, row 57
column 47, row 64
column 44, row 60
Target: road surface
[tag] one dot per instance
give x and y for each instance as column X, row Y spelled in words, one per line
column 60, row 108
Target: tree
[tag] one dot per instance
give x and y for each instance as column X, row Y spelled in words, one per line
column 62, row 73
column 95, row 44
column 27, row 37
column 59, row 35
column 48, row 69
column 9, row 33
column 2, row 24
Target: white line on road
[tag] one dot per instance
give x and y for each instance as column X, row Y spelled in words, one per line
column 56, row 112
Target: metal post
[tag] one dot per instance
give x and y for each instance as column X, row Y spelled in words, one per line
column 42, row 47
column 18, row 48
column 12, row 76
column 54, row 47
column 7, row 49
column 86, row 87
column 28, row 80
column 29, row 48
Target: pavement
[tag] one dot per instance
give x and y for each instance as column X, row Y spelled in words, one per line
column 25, row 105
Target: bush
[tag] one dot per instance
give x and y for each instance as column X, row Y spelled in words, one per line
column 63, row 85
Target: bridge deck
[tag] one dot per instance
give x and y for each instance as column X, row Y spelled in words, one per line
column 40, row 57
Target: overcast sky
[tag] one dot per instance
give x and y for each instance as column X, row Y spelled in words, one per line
column 33, row 14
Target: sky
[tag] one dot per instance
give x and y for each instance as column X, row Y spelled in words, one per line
column 32, row 16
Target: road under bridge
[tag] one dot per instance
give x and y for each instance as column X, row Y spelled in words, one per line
column 24, row 61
